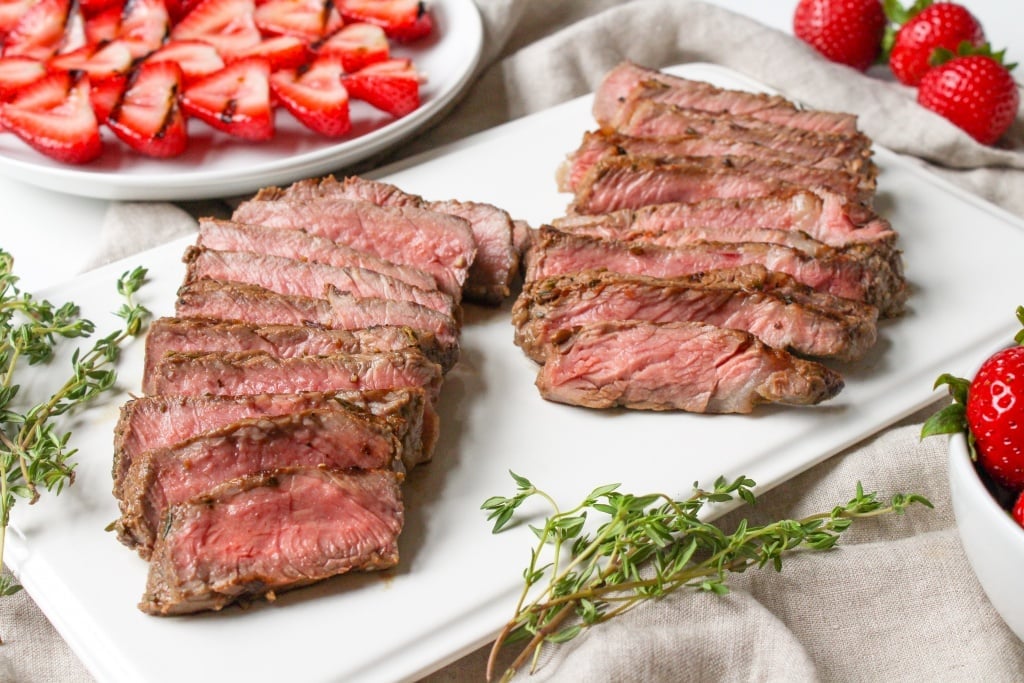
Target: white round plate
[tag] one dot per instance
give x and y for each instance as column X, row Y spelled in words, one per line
column 217, row 165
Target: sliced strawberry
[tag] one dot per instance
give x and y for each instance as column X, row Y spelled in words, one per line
column 18, row 72
column 104, row 26
column 148, row 117
column 196, row 59
column 91, row 8
column 402, row 20
column 357, row 45
column 98, row 60
column 283, row 52
column 310, row 19
column 315, row 96
column 105, row 93
column 11, row 12
column 228, row 25
column 40, row 30
column 235, row 99
column 144, row 26
column 178, row 9
column 54, row 116
column 392, row 86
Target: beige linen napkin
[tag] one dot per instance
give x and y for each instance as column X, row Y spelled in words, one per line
column 896, row 600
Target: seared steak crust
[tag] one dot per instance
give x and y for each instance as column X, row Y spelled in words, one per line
column 869, row 280
column 779, row 311
column 331, row 437
column 296, row 526
column 678, row 366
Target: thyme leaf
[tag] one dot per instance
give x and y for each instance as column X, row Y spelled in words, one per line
column 637, row 548
column 35, row 453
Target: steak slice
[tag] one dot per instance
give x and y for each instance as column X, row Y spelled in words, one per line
column 304, row 278
column 152, row 422
column 821, row 215
column 497, row 261
column 597, row 145
column 686, row 366
column 270, row 532
column 645, row 118
column 284, row 341
column 256, row 372
column 297, row 244
column 866, row 279
column 160, row 478
column 629, row 81
column 622, row 182
column 440, row 244
column 779, row 311
column 239, row 302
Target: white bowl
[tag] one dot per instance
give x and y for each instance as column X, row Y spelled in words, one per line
column 993, row 541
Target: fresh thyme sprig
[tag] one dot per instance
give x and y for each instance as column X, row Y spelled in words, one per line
column 647, row 547
column 34, row 454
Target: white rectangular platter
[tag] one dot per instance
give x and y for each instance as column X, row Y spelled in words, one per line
column 456, row 581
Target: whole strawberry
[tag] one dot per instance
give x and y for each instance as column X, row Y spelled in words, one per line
column 975, row 92
column 995, row 416
column 845, row 31
column 924, row 28
column 1018, row 510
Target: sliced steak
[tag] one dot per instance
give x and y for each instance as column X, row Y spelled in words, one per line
column 154, row 422
column 630, row 81
column 497, row 261
column 821, row 215
column 329, row 437
column 228, row 301
column 622, row 182
column 270, row 532
column 693, row 367
column 255, row 372
column 778, row 310
column 869, row 280
column 297, row 244
column 644, row 118
column 305, row 278
column 598, row 145
column 440, row 244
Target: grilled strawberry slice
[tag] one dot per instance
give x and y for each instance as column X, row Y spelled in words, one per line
column 315, row 96
column 228, row 25
column 148, row 117
column 144, row 25
column 97, row 60
column 392, row 86
column 105, row 93
column 54, row 116
column 18, row 72
column 283, row 52
column 196, row 59
column 235, row 99
column 402, row 20
column 309, row 19
column 357, row 45
column 39, row 32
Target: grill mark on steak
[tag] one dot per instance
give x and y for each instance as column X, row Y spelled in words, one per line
column 151, row 422
column 857, row 174
column 255, row 372
column 497, row 261
column 231, row 236
column 679, row 366
column 866, row 279
column 774, row 307
column 160, row 478
column 298, row 526
column 440, row 244
column 622, row 182
column 238, row 302
column 629, row 81
column 822, row 216
column 303, row 278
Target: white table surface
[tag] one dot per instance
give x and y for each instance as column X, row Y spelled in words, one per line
column 54, row 236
